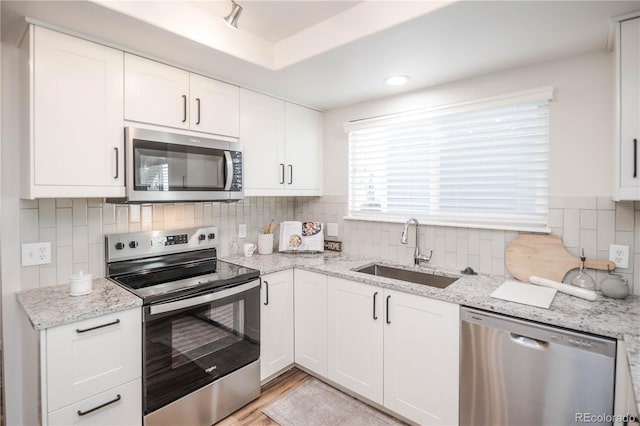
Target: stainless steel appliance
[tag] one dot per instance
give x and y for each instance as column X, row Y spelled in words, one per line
column 169, row 167
column 514, row 372
column 201, row 324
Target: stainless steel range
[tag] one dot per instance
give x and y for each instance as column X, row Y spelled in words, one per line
column 201, row 324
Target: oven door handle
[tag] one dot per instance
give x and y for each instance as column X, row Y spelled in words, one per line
column 199, row 300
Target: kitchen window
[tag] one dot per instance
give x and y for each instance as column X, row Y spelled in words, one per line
column 475, row 164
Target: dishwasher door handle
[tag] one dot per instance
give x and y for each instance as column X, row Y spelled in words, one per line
column 529, row 341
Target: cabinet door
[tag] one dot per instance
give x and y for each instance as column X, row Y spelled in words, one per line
column 303, row 148
column 155, row 93
column 630, row 109
column 355, row 337
column 92, row 356
column 214, row 106
column 121, row 406
column 311, row 321
column 421, row 346
column 262, row 135
column 276, row 323
column 77, row 107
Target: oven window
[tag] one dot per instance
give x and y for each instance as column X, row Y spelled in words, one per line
column 170, row 167
column 192, row 348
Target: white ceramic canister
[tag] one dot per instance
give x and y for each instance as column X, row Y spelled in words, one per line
column 80, row 284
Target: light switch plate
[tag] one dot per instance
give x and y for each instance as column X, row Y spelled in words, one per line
column 242, row 230
column 36, row 254
column 332, row 229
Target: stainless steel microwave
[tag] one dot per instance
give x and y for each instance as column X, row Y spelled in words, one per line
column 163, row 167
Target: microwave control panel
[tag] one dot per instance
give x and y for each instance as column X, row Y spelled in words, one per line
column 236, row 181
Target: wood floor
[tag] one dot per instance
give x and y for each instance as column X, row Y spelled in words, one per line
column 275, row 389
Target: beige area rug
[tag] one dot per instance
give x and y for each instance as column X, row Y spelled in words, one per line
column 318, row 404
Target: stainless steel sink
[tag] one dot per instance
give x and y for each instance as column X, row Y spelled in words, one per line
column 416, row 277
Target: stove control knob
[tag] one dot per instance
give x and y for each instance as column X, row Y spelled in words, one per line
column 212, row 236
column 202, row 237
column 133, row 244
column 119, row 246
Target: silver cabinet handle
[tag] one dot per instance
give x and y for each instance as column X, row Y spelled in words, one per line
column 290, row 174
column 117, row 162
column 281, row 173
column 266, row 292
column 198, row 102
column 117, row 321
column 388, row 320
column 84, row 413
column 375, row 317
column 635, row 158
column 184, row 107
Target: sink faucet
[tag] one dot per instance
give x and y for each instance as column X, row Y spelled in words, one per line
column 417, row 257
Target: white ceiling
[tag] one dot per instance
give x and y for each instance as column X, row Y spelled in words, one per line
column 341, row 54
column 276, row 20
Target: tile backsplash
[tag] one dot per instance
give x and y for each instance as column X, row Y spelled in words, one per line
column 76, row 229
column 591, row 223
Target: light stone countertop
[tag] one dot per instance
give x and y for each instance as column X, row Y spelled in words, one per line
column 51, row 306
column 619, row 319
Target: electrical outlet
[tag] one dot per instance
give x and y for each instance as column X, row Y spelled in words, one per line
column 36, row 254
column 332, row 229
column 242, row 230
column 619, row 255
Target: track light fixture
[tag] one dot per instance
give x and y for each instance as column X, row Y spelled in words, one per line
column 232, row 18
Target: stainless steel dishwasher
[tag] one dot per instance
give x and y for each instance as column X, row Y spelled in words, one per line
column 514, row 372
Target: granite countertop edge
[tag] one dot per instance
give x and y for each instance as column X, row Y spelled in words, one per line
column 618, row 319
column 53, row 306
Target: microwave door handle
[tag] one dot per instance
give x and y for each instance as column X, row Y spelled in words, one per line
column 229, row 180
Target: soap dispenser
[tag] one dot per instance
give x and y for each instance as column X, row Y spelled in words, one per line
column 582, row 279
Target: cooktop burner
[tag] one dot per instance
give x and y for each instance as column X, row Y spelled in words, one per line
column 158, row 266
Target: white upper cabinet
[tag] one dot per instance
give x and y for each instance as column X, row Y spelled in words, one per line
column 628, row 144
column 262, row 136
column 167, row 96
column 214, row 106
column 77, row 137
column 303, row 148
column 155, row 93
column 282, row 146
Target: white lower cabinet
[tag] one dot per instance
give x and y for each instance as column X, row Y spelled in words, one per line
column 355, row 337
column 396, row 349
column 276, row 323
column 310, row 295
column 91, row 370
column 121, row 406
column 421, row 352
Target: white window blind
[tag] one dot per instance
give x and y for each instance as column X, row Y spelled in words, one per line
column 481, row 164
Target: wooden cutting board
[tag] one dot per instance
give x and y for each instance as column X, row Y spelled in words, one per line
column 545, row 256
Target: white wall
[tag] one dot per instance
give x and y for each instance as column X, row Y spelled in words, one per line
column 581, row 147
column 581, row 127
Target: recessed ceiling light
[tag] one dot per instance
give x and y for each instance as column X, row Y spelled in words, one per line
column 396, row 80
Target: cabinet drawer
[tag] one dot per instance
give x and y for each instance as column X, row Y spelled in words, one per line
column 121, row 405
column 92, row 356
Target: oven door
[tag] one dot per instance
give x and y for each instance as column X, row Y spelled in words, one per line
column 191, row 342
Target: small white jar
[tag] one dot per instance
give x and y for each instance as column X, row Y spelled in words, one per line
column 80, row 284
